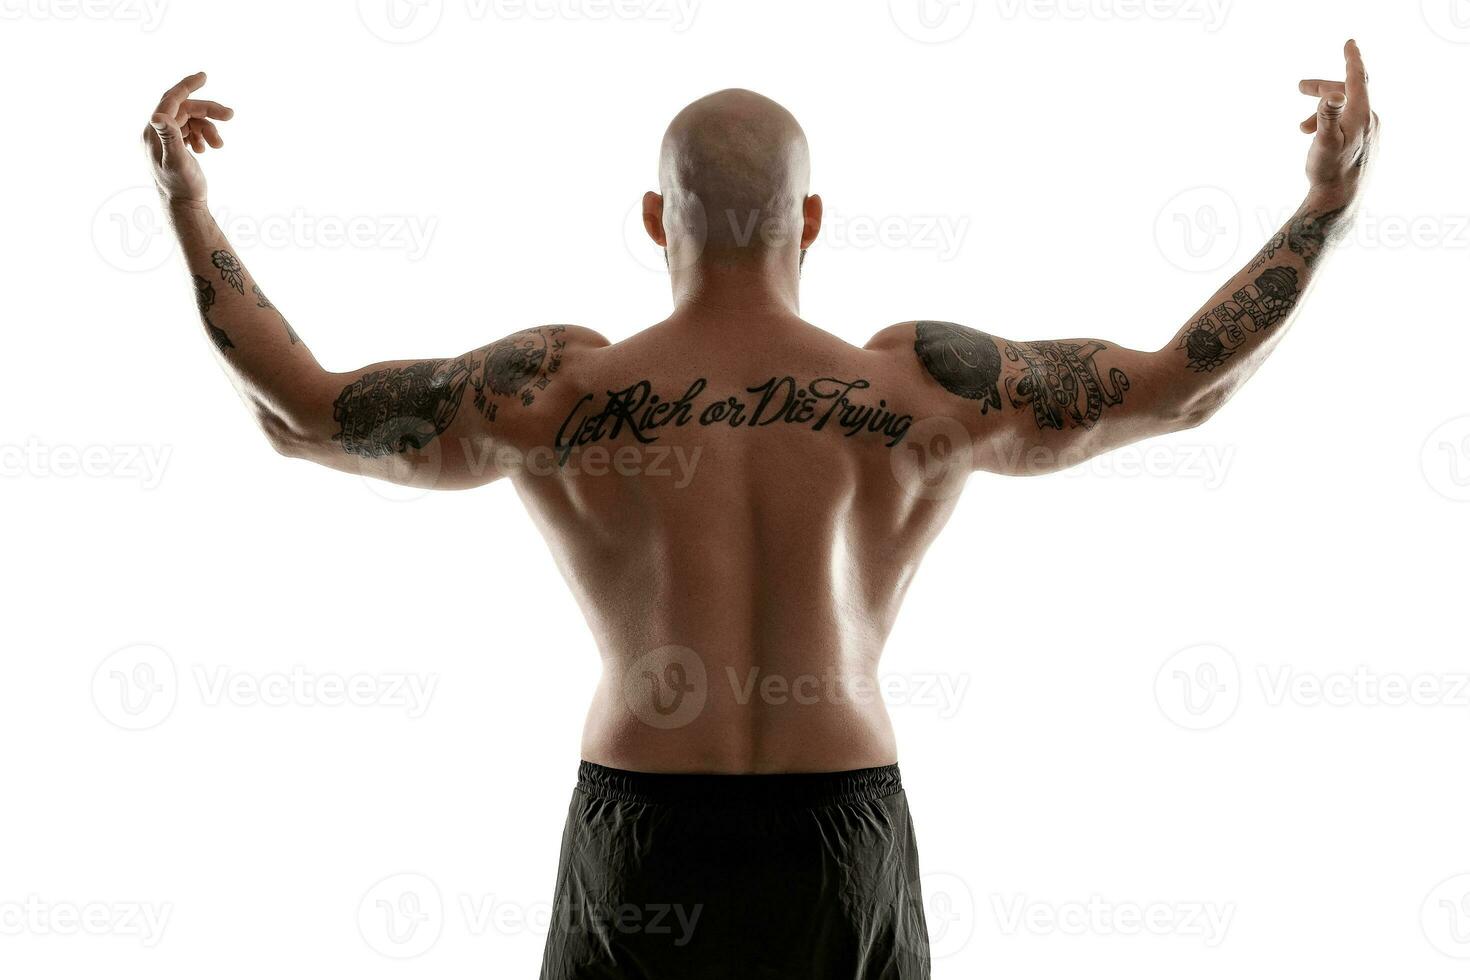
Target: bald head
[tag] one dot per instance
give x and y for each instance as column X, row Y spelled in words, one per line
column 734, row 172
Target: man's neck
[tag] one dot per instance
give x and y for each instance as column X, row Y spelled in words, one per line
column 762, row 286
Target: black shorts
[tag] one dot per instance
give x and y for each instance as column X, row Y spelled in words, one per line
column 673, row 877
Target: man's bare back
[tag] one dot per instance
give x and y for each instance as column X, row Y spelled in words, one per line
column 739, row 499
column 742, row 585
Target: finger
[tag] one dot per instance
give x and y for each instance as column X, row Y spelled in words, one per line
column 210, row 133
column 1309, row 124
column 1319, row 86
column 196, row 141
column 1329, row 116
column 203, row 108
column 1357, row 80
column 170, row 139
column 175, row 96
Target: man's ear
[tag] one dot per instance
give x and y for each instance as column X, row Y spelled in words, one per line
column 653, row 218
column 811, row 212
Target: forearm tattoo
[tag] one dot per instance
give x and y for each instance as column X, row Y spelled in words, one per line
column 230, row 270
column 1059, row 380
column 1311, row 231
column 1268, row 252
column 262, row 303
column 1307, row 234
column 204, row 299
column 405, row 408
column 1253, row 309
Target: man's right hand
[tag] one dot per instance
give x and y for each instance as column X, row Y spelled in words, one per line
column 178, row 125
column 1345, row 126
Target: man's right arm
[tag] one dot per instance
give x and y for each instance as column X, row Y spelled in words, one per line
column 1046, row 405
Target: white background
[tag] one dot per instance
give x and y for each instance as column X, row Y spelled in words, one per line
column 1095, row 170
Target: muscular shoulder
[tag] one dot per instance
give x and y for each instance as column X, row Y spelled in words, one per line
column 522, row 374
column 578, row 337
column 897, row 337
column 560, row 337
column 962, row 360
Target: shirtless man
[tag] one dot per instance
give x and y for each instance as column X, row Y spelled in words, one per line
column 715, row 832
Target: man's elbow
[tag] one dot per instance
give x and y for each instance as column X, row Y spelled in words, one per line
column 287, row 439
column 1193, row 418
column 1193, row 412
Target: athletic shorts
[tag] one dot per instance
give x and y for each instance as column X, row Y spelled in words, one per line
column 702, row 877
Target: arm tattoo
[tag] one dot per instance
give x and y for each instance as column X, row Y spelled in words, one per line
column 1252, row 309
column 1310, row 232
column 1277, row 242
column 1306, row 235
column 398, row 409
column 204, row 298
column 1059, row 380
column 517, row 368
column 1061, row 384
column 262, row 303
column 230, row 270
column 965, row 361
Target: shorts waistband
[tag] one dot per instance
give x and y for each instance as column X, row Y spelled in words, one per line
column 797, row 789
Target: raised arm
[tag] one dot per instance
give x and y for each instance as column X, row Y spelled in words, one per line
column 438, row 422
column 1046, row 405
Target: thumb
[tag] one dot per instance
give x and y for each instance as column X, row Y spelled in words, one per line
column 169, row 136
column 1329, row 115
